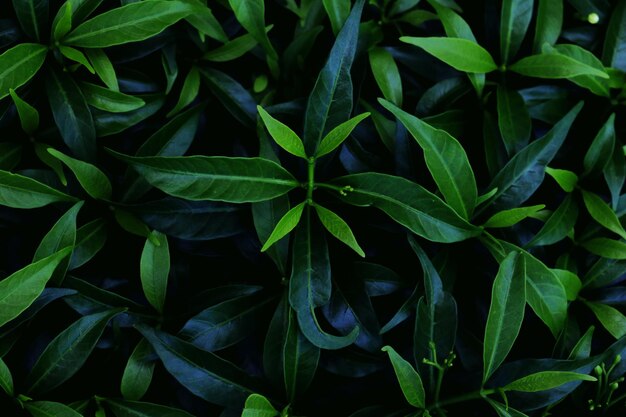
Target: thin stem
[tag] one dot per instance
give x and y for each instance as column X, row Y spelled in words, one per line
column 476, row 395
column 618, row 399
column 341, row 190
column 310, row 180
column 440, row 372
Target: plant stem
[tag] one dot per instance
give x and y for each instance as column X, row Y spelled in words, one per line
column 618, row 399
column 311, row 180
column 476, row 395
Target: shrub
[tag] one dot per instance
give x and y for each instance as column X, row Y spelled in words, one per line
column 315, row 207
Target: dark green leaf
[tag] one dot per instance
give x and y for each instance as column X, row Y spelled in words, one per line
column 131, row 23
column 337, row 11
column 446, row 160
column 613, row 54
column 514, row 21
column 103, row 68
column 610, row 318
column 330, row 102
column 77, row 56
column 408, row 378
column 29, row 116
column 155, row 269
column 50, row 409
column 217, row 178
column 549, row 23
column 21, row 289
column 558, row 224
column 461, row 54
column 386, row 75
column 6, row 379
column 506, row 313
column 203, row 373
column 407, row 203
column 122, row 408
column 137, row 375
column 67, row 352
column 109, row 100
column 233, row 96
column 513, row 120
column 599, row 154
column 90, row 238
column 93, row 181
column 602, row 213
column 19, row 64
column 232, row 49
column 33, row 15
column 188, row 93
column 62, row 21
column 606, row 248
column 71, row 114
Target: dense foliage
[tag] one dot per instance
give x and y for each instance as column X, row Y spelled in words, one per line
column 312, row 208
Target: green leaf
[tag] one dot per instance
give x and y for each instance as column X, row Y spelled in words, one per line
column 610, row 318
column 131, row 23
column 202, row 373
column 461, row 54
column 29, row 116
column 386, row 75
column 155, row 269
column 10, row 155
column 554, row 66
column 504, row 410
column 549, row 23
column 109, row 100
column 606, row 248
column 282, row 134
column 570, row 281
column 138, row 372
column 524, row 173
column 235, row 180
column 103, row 68
column 408, row 378
column 203, row 19
column 599, row 153
column 18, row 191
column 582, row 349
column 62, row 22
column 50, row 409
column 77, row 56
column 558, row 224
column 613, row 54
column 542, row 381
column 62, row 235
column 513, row 119
column 506, row 313
column 408, row 204
column 232, row 49
column 286, row 224
column 251, row 15
column 310, row 284
column 6, row 379
column 338, row 135
column 289, row 359
column 41, row 150
column 141, row 409
column 90, row 238
column 67, row 352
column 233, row 96
column 338, row 228
column 32, row 15
column 446, row 160
column 189, row 92
column 19, row 64
column 597, row 85
column 71, row 114
column 567, row 180
column 602, row 213
column 337, row 11
column 93, row 181
column 456, row 27
column 132, row 224
column 258, row 406
column 330, row 102
column 19, row 290
column 615, row 173
column 510, row 217
column 514, row 21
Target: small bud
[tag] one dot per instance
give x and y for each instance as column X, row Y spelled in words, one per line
column 614, row 386
column 617, row 359
column 593, row 18
column 597, row 370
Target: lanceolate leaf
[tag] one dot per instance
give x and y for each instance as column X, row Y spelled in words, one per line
column 338, row 228
column 109, row 100
column 282, row 134
column 138, row 372
column 217, row 178
column 611, row 318
column 330, row 102
column 554, row 66
column 408, row 378
column 513, row 119
column 524, row 173
column 335, row 137
column 71, row 114
column 601, row 149
column 408, row 204
column 29, row 116
column 18, row 191
column 514, row 21
column 602, row 213
column 21, row 289
column 203, row 373
column 67, row 352
column 123, row 408
column 508, row 299
column 310, row 284
column 259, row 406
column 93, row 181
column 285, row 225
column 508, row 218
column 50, row 409
column 6, row 379
column 131, row 23
column 558, row 224
column 155, row 269
column 614, row 54
column 542, row 381
column 461, row 54
column 446, row 160
column 19, row 64
column 386, row 74
column 549, row 22
column 33, row 15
